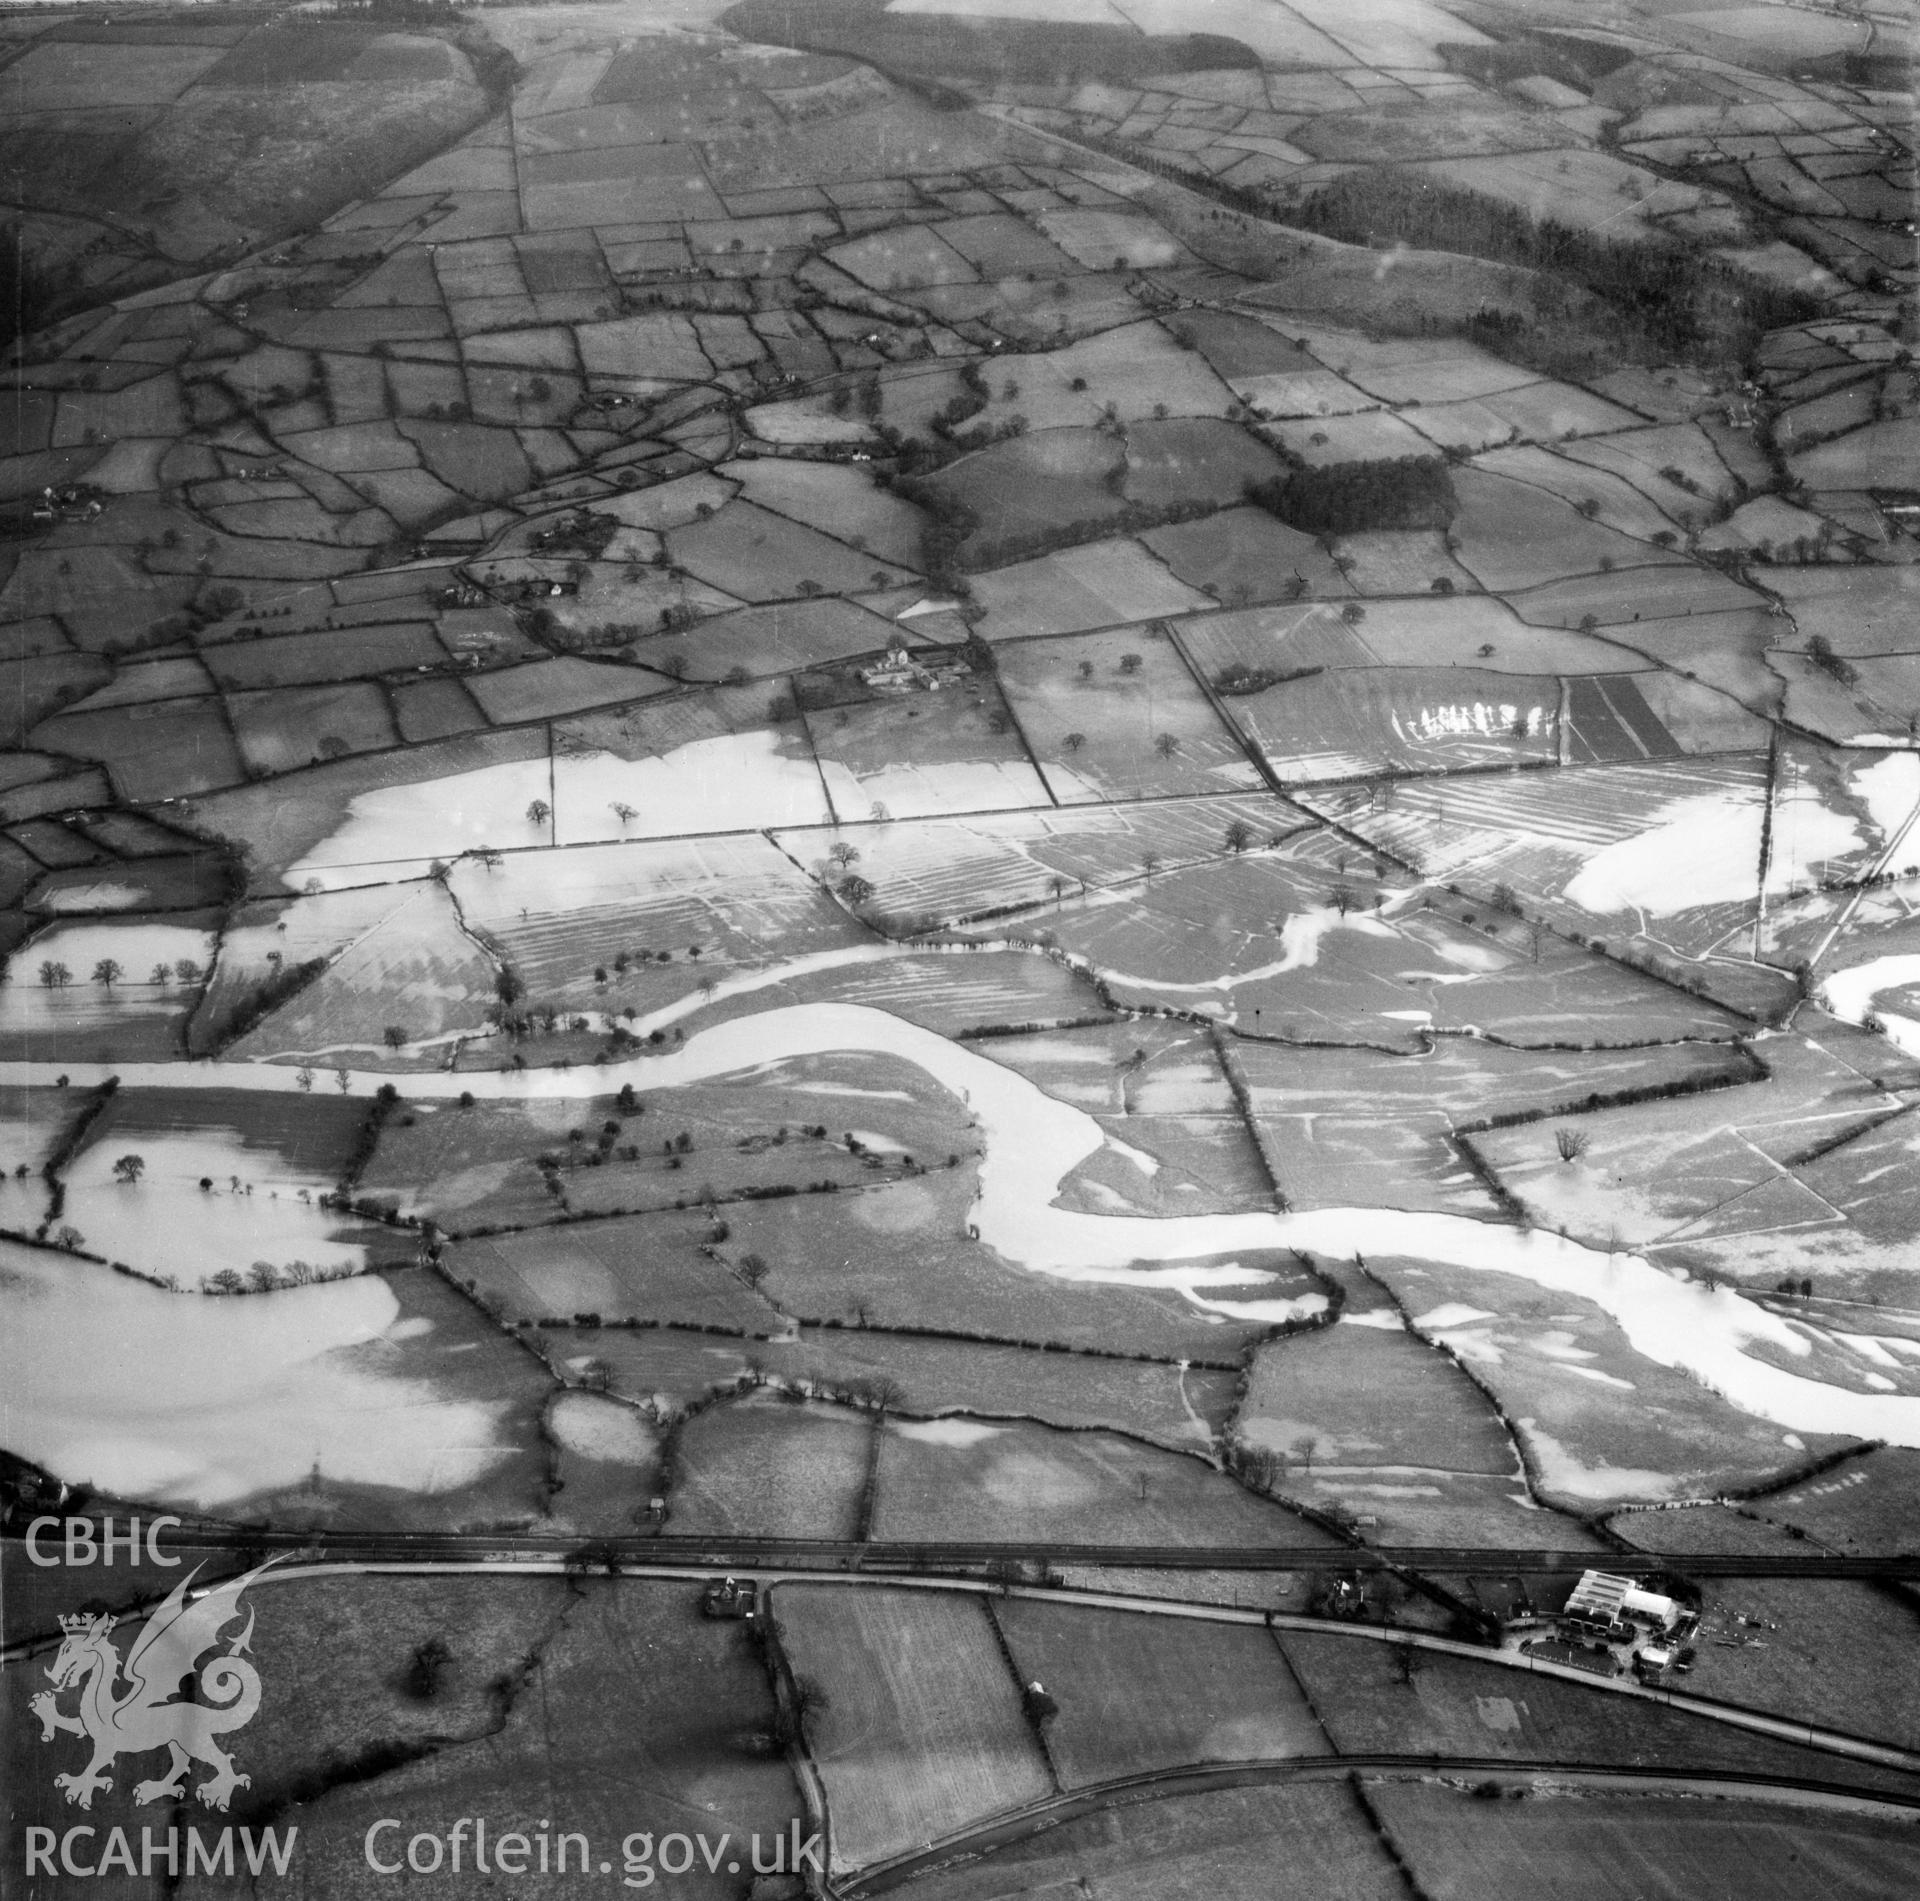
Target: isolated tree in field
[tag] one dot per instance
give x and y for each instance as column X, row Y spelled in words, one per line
column 1149, row 863
column 1572, row 1143
column 809, row 1701
column 843, row 854
column 538, row 812
column 1239, row 835
column 129, row 1168
column 1130, row 663
column 304, row 1077
column 1058, row 886
column 1086, row 669
column 753, row 1270
column 1074, row 741
column 106, row 973
column 1039, row 1706
column 1342, row 898
column 428, row 1667
column 186, row 970
column 161, row 976
column 55, row 975
column 1166, row 745
column 344, row 1081
column 394, row 1036
column 624, row 813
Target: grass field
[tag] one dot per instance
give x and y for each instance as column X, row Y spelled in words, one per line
column 416, row 971
column 1425, row 630
column 1365, row 722
column 167, row 750
column 955, row 1478
column 559, row 917
column 1098, row 584
column 1094, row 708
column 570, row 1746
column 1242, row 555
column 1598, row 1421
column 504, row 434
column 1436, row 1468
column 898, row 1254
column 638, row 1267
column 928, row 871
column 1226, row 1845
column 948, row 993
column 1710, row 1168
column 1139, row 1693
column 946, row 752
column 1459, row 1706
column 1325, row 1137
column 754, row 1135
column 1864, row 1505
column 759, row 1468
column 923, row 1733
column 1314, row 1400
column 1609, row 1848
column 1174, row 1405
column 760, row 556
column 1832, row 1649
column 1511, row 535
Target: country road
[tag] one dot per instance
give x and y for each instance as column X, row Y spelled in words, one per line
column 720, row 1562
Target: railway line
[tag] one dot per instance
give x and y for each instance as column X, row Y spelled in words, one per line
column 649, row 1550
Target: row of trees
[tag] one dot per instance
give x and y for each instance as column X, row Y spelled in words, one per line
column 54, row 975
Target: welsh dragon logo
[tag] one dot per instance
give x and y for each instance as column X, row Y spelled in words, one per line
column 146, row 1712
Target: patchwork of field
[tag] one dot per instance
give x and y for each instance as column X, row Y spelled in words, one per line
column 1596, row 1421
column 980, row 1481
column 1138, row 1693
column 1605, row 1845
column 927, row 872
column 897, row 1257
column 1863, row 1632
column 751, row 751
column 924, row 1731
column 1226, row 1843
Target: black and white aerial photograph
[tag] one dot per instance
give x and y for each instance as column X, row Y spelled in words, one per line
column 963, row 950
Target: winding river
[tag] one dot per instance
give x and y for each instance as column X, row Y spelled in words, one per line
column 49, row 1320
